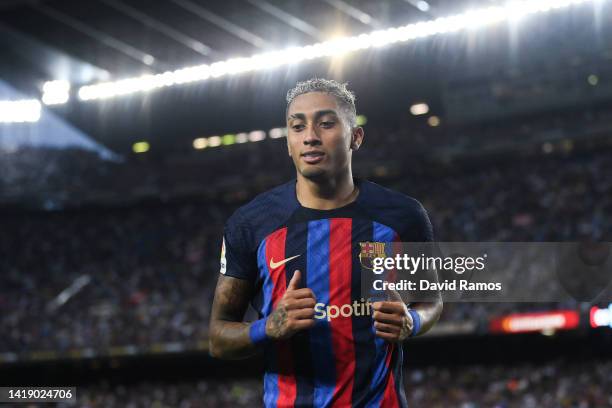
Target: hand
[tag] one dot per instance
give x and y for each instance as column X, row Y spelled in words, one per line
column 294, row 312
column 392, row 321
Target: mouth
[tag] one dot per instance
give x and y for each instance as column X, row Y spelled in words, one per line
column 312, row 157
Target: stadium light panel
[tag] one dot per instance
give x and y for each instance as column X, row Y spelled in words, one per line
column 20, row 111
column 200, row 143
column 423, row 6
column 228, row 139
column 593, row 80
column 433, row 121
column 419, row 109
column 56, row 92
column 257, row 135
column 148, row 59
column 141, row 147
column 470, row 20
column 214, row 141
column 242, row 138
column 547, row 148
column 277, row 133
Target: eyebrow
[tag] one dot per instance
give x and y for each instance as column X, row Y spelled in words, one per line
column 318, row 114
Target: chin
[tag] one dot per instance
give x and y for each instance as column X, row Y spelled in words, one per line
column 314, row 173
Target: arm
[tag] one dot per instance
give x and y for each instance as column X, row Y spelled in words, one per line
column 429, row 312
column 394, row 322
column 229, row 335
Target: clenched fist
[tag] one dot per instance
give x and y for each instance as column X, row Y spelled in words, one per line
column 392, row 321
column 294, row 312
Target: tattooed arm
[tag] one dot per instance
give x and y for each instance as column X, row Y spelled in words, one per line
column 229, row 336
column 429, row 312
column 293, row 313
column 394, row 322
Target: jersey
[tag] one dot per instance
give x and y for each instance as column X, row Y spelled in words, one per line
column 338, row 362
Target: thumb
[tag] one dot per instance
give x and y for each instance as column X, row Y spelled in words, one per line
column 294, row 284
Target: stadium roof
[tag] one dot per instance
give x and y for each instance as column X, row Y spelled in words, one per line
column 98, row 40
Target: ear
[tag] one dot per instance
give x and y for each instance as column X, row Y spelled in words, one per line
column 357, row 138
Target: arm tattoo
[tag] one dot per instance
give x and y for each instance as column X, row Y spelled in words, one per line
column 232, row 297
column 406, row 328
column 277, row 322
column 229, row 336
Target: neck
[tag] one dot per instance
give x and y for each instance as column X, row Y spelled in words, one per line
column 333, row 192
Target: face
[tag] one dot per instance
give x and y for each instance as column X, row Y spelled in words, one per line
column 319, row 138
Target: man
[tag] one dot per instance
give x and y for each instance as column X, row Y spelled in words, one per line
column 293, row 252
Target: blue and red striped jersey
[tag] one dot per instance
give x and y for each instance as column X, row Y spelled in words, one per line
column 339, row 362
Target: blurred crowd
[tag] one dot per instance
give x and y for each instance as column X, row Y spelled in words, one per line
column 55, row 179
column 197, row 394
column 555, row 384
column 150, row 268
column 550, row 385
column 151, row 276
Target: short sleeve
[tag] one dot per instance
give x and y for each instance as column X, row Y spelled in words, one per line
column 418, row 227
column 238, row 260
column 425, row 225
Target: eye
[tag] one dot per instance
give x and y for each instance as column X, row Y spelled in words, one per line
column 328, row 124
column 297, row 127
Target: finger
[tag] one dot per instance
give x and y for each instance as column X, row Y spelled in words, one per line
column 300, row 294
column 387, row 318
column 302, row 324
column 388, row 307
column 387, row 328
column 294, row 284
column 301, row 314
column 300, row 303
column 387, row 336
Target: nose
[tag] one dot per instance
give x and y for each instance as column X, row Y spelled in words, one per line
column 311, row 137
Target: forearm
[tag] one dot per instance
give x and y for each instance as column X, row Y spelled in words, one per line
column 230, row 337
column 429, row 313
column 231, row 340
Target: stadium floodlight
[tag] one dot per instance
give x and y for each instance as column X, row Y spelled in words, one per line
column 470, row 20
column 277, row 133
column 56, row 92
column 242, row 138
column 593, row 80
column 433, row 121
column 361, row 120
column 257, row 135
column 420, row 108
column 141, row 147
column 423, row 6
column 200, row 143
column 548, row 148
column 20, row 111
column 214, row 141
column 228, row 139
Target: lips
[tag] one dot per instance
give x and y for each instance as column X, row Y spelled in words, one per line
column 313, row 157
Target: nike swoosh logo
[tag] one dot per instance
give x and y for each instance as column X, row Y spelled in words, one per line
column 284, row 261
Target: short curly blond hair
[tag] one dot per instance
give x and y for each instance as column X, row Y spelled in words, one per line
column 344, row 97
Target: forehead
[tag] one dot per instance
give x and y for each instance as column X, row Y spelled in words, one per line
column 311, row 102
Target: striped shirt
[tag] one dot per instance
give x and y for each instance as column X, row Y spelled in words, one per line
column 339, row 362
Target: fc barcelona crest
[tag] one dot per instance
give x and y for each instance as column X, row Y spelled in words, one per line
column 369, row 252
